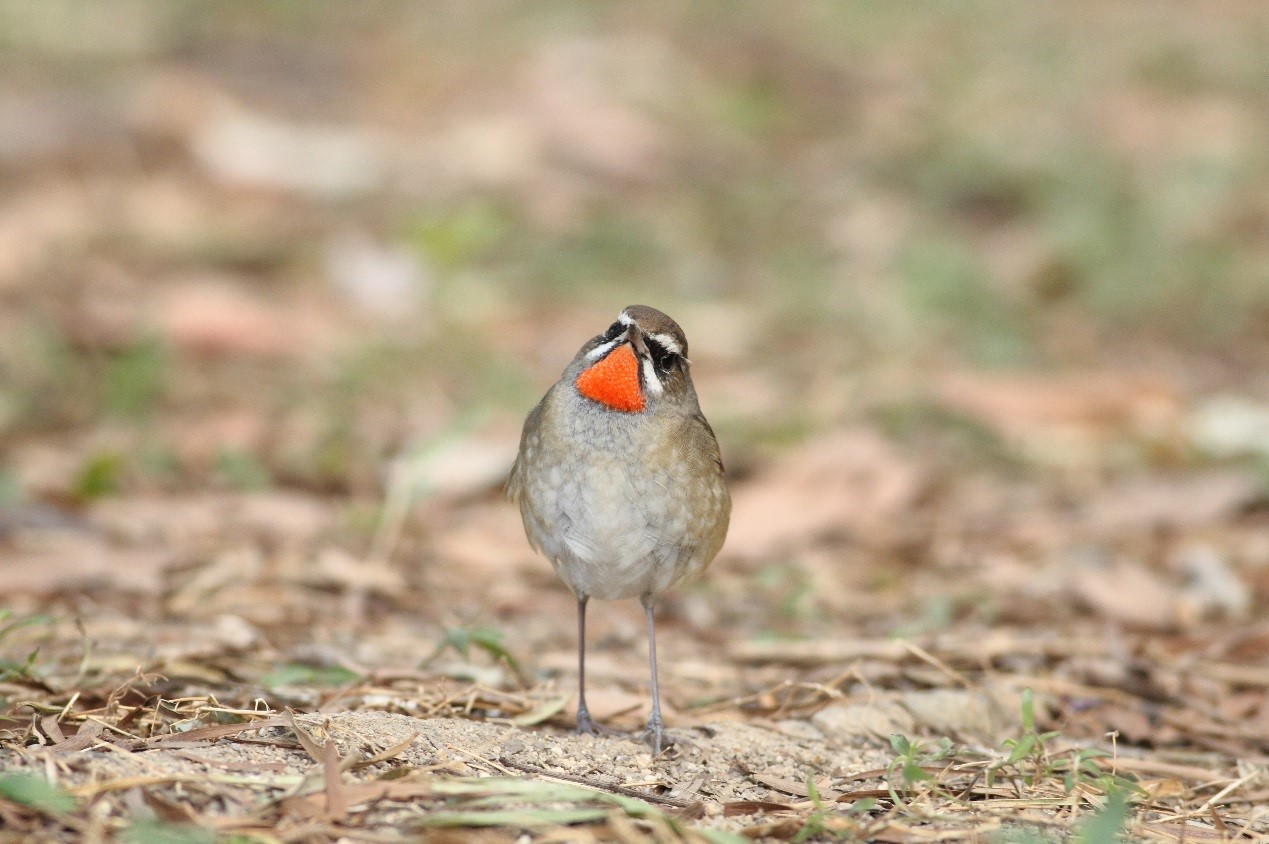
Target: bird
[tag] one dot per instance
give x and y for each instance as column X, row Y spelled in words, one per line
column 619, row 479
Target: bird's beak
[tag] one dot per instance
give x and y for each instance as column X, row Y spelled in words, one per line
column 636, row 342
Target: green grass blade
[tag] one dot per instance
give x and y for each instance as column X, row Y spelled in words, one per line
column 36, row 792
column 524, row 818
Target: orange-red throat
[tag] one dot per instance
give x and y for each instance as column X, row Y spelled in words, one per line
column 613, row 381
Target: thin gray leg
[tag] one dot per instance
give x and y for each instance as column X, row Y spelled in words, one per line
column 585, row 724
column 655, row 730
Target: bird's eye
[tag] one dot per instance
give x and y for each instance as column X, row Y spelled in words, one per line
column 662, row 358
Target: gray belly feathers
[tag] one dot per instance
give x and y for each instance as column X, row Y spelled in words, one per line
column 596, row 508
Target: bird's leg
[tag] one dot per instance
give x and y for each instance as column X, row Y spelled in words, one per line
column 585, row 724
column 654, row 733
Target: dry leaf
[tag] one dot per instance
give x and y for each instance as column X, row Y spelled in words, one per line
column 852, row 482
column 217, row 317
column 1069, row 418
column 460, row 468
column 74, row 561
column 329, row 161
column 1126, row 592
column 1194, row 499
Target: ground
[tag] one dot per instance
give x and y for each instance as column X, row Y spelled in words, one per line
column 160, row 682
column 976, row 299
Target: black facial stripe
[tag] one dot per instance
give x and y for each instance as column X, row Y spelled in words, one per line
column 612, row 333
column 662, row 358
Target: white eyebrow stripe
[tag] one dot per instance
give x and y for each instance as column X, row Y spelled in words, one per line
column 668, row 343
column 650, row 379
column 624, row 318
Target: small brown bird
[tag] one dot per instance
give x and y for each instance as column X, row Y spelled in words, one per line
column 619, row 479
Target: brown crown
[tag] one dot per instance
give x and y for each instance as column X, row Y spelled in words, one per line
column 651, row 321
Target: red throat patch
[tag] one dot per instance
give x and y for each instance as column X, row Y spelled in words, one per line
column 613, row 381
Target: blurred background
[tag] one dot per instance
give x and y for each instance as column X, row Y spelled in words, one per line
column 246, row 244
column 977, row 295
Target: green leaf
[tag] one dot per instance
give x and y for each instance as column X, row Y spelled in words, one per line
column 900, row 744
column 862, row 805
column 463, row 237
column 541, row 712
column 241, row 469
column 487, row 639
column 21, row 622
column 500, row 790
column 458, row 639
column 21, row 670
column 136, row 379
column 719, row 836
column 813, row 825
column 36, row 792
column 515, row 817
column 490, row 641
column 912, row 772
column 1028, row 711
column 1105, row 826
column 100, row 476
column 488, row 802
column 813, row 792
column 157, row 832
column 1021, row 749
column 295, row 674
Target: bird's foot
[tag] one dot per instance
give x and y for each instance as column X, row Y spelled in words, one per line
column 587, row 726
column 656, row 736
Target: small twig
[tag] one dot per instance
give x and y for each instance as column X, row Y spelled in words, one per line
column 477, row 757
column 927, row 657
column 310, row 745
column 859, row 675
column 115, row 729
column 127, row 754
column 352, row 764
column 244, row 767
column 69, row 705
column 611, row 788
column 218, row 731
column 1233, row 786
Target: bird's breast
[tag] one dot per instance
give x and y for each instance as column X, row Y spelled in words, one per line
column 620, row 508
